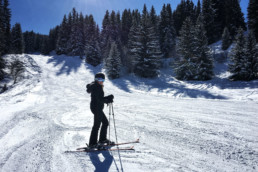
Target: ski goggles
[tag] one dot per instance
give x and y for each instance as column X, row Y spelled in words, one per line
column 100, row 79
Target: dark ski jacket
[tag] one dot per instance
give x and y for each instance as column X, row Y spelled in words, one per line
column 97, row 96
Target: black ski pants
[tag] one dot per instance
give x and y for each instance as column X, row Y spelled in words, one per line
column 99, row 117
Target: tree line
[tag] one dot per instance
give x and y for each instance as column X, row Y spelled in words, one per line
column 140, row 40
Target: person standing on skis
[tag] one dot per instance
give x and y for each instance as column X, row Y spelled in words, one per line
column 97, row 105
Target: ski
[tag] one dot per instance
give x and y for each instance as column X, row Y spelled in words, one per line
column 110, row 145
column 102, row 149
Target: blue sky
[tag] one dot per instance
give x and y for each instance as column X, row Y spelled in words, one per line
column 42, row 15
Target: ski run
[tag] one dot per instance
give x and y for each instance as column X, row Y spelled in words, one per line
column 182, row 126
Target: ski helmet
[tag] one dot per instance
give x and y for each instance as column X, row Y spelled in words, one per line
column 100, row 76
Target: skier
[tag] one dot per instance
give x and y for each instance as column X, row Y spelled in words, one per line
column 97, row 106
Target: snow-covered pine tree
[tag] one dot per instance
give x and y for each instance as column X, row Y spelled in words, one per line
column 92, row 47
column 251, row 60
column 252, row 16
column 17, row 42
column 93, row 53
column 237, row 58
column 203, row 61
column 166, row 31
column 63, row 37
column 105, row 35
column 184, row 66
column 113, row 62
column 77, row 36
column 226, row 40
column 148, row 62
column 134, row 45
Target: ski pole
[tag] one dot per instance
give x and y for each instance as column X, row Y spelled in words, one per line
column 109, row 119
column 116, row 136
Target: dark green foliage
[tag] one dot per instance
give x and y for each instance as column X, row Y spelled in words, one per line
column 194, row 61
column 238, row 57
column 126, row 25
column 5, row 27
column 92, row 47
column 208, row 20
column 251, row 60
column 226, row 40
column 63, row 37
column 147, row 61
column 167, row 31
column 252, row 16
column 53, row 36
column 184, row 66
column 17, row 42
column 45, row 45
column 183, row 10
column 234, row 18
column 203, row 61
column 113, row 62
column 134, row 45
column 29, row 41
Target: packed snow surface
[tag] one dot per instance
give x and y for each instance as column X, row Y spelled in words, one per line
column 182, row 126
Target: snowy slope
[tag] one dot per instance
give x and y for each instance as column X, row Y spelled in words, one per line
column 182, row 126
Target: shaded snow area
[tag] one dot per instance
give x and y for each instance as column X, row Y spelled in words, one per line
column 182, row 126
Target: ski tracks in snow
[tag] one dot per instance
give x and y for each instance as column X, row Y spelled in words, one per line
column 51, row 114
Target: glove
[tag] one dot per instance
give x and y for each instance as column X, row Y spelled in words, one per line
column 110, row 98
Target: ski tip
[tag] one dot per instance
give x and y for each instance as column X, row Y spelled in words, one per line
column 138, row 140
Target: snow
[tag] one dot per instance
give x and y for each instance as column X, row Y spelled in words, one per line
column 182, row 125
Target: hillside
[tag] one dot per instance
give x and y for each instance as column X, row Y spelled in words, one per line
column 182, row 126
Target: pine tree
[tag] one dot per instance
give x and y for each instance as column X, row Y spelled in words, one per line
column 17, row 41
column 113, row 62
column 134, row 45
column 183, row 10
column 252, row 16
column 76, row 42
column 234, row 18
column 226, row 40
column 202, row 58
column 92, row 47
column 198, row 9
column 1, row 29
column 167, row 31
column 208, row 20
column 184, row 66
column 218, row 7
column 44, row 49
column 251, row 60
column 29, row 38
column 6, row 19
column 126, row 25
column 147, row 63
column 53, row 36
column 238, row 57
column 63, row 37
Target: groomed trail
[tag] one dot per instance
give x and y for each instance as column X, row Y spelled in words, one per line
column 186, row 127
